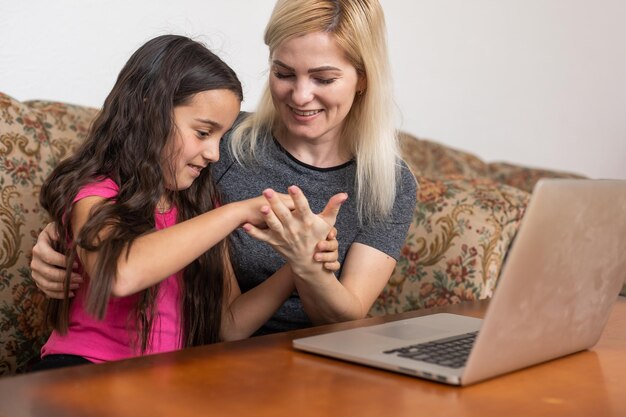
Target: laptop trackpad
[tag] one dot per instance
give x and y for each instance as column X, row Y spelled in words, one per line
column 408, row 331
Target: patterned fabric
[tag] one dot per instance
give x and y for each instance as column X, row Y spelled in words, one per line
column 25, row 160
column 523, row 178
column 66, row 124
column 461, row 231
column 433, row 160
column 27, row 156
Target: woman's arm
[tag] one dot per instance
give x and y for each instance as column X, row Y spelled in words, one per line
column 365, row 272
column 324, row 298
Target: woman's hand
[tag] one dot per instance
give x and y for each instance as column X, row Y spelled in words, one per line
column 48, row 266
column 252, row 208
column 295, row 234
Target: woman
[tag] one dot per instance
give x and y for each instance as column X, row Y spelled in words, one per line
column 325, row 123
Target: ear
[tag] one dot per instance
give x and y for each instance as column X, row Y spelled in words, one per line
column 361, row 84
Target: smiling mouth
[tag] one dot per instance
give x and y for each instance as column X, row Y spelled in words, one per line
column 305, row 113
column 196, row 168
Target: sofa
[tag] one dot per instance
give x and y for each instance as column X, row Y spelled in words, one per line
column 466, row 217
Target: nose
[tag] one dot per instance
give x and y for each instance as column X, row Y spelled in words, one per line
column 302, row 93
column 211, row 151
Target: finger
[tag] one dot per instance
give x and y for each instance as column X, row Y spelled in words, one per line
column 332, row 234
column 51, row 232
column 277, row 206
column 44, row 252
column 325, row 256
column 58, row 295
column 272, row 221
column 327, row 245
column 300, row 201
column 330, row 212
column 332, row 266
column 287, row 200
column 262, row 235
column 47, row 285
column 42, row 272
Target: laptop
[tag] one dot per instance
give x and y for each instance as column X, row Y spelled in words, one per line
column 562, row 275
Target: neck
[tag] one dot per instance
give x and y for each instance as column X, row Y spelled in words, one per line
column 320, row 153
column 164, row 204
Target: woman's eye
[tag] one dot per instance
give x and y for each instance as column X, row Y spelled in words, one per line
column 326, row 81
column 203, row 133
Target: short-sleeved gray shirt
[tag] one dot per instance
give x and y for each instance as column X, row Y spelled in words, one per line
column 275, row 168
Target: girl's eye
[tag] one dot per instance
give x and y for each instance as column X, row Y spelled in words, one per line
column 203, row 133
column 281, row 75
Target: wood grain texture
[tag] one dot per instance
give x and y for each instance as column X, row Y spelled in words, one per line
column 264, row 376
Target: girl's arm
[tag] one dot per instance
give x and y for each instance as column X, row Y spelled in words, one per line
column 243, row 314
column 154, row 256
column 324, row 298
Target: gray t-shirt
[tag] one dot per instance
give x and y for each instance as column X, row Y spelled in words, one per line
column 255, row 261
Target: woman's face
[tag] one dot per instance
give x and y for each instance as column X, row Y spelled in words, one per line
column 313, row 86
column 198, row 127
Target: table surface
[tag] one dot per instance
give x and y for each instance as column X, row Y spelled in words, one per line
column 265, row 376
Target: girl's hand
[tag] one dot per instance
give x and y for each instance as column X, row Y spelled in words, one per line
column 252, row 208
column 295, row 234
column 327, row 252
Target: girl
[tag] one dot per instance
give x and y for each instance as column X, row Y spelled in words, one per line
column 144, row 167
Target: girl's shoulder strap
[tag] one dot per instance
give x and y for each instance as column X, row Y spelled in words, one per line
column 102, row 187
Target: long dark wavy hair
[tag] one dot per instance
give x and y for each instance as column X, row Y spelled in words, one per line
column 125, row 143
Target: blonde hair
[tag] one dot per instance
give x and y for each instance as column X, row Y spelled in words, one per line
column 369, row 132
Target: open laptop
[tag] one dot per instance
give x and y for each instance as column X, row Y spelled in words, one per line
column 563, row 273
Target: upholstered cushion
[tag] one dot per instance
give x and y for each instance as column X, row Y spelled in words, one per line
column 521, row 177
column 433, row 160
column 461, row 231
column 25, row 160
column 66, row 124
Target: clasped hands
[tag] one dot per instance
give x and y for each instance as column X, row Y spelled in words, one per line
column 300, row 236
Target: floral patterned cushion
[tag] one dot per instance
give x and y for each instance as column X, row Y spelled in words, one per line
column 25, row 160
column 461, row 231
column 34, row 136
column 522, row 177
column 434, row 160
column 66, row 124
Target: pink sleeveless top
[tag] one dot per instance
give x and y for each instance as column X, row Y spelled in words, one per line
column 114, row 337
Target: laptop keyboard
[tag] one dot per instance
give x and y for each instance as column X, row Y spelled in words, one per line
column 450, row 351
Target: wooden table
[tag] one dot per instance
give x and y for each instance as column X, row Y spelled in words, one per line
column 264, row 376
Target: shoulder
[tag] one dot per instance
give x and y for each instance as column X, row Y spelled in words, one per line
column 406, row 184
column 102, row 187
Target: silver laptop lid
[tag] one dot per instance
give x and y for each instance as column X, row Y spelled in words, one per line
column 562, row 275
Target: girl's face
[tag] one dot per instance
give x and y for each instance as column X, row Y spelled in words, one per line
column 198, row 127
column 313, row 86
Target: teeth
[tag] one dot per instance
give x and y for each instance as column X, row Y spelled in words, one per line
column 305, row 113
